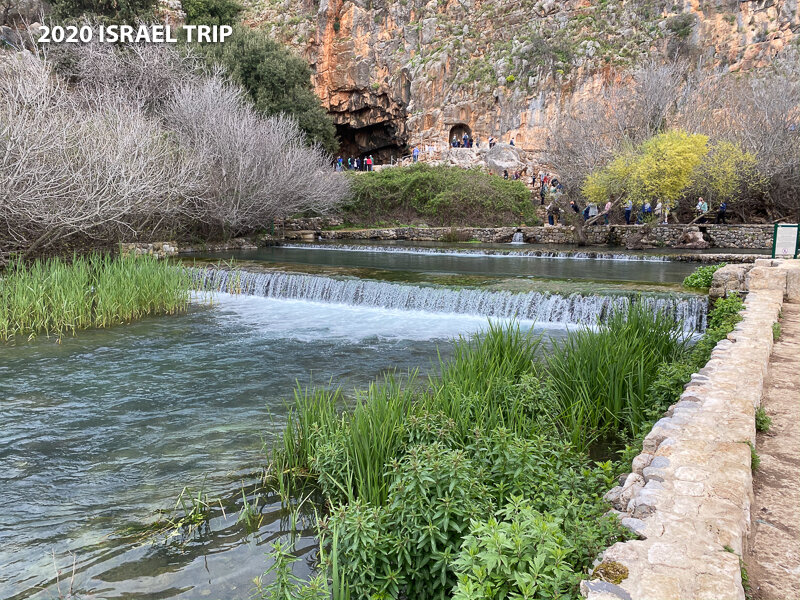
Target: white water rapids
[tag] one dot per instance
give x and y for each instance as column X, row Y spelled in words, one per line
column 532, row 306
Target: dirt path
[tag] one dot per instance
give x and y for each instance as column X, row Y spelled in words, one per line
column 773, row 559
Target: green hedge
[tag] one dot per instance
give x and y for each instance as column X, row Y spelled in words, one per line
column 438, row 196
column 702, row 276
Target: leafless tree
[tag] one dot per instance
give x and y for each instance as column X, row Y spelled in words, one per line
column 73, row 165
column 761, row 111
column 588, row 133
column 258, row 169
column 141, row 144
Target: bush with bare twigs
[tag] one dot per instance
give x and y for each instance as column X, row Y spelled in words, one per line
column 139, row 144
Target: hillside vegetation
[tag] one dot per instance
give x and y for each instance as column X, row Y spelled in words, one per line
column 437, row 196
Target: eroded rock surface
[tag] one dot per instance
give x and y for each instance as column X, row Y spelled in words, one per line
column 412, row 72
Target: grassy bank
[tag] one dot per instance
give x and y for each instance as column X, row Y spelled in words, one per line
column 478, row 483
column 59, row 297
column 438, row 196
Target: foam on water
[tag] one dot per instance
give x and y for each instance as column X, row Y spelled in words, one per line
column 408, row 299
column 308, row 321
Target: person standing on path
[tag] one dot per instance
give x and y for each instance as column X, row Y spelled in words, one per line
column 369, row 163
column 415, row 154
column 722, row 213
column 702, row 209
column 607, row 209
column 628, row 211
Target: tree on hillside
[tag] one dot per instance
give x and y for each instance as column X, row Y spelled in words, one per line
column 212, row 12
column 116, row 11
column 760, row 111
column 588, row 133
column 661, row 168
column 728, row 173
column 276, row 80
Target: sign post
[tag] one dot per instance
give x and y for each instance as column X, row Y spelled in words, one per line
column 786, row 241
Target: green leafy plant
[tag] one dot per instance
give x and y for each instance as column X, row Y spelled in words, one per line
column 763, row 421
column 250, row 515
column 284, row 584
column 702, row 276
column 755, row 459
column 518, row 553
column 776, row 331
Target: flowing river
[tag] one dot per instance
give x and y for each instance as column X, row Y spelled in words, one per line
column 104, row 429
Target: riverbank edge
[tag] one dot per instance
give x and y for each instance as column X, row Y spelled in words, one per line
column 170, row 249
column 690, row 493
column 749, row 236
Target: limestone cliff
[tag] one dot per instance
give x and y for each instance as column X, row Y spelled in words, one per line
column 396, row 73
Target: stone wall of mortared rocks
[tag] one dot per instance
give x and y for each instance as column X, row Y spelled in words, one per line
column 689, row 495
column 717, row 236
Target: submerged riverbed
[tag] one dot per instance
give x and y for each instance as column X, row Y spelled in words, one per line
column 105, row 428
column 484, row 261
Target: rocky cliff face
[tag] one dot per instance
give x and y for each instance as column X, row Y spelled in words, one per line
column 398, row 73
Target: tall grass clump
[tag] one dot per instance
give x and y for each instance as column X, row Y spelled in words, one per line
column 345, row 453
column 59, row 297
column 476, row 387
column 601, row 377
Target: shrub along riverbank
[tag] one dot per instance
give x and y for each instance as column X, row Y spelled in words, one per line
column 478, row 483
column 59, row 297
column 438, row 196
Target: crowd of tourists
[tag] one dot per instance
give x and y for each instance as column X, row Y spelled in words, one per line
column 466, row 141
column 550, row 193
column 355, row 164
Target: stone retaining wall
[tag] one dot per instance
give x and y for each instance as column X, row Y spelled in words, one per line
column 716, row 236
column 157, row 249
column 688, row 498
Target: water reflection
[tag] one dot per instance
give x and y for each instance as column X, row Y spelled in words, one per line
column 100, row 431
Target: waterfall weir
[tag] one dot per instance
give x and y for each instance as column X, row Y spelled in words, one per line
column 530, row 306
column 564, row 255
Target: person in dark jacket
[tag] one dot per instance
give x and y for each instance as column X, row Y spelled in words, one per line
column 722, row 213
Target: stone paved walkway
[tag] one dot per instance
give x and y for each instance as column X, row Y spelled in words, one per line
column 773, row 559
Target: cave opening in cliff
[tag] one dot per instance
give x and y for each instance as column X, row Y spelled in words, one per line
column 380, row 140
column 457, row 132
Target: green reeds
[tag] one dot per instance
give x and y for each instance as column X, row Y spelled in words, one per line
column 601, row 378
column 345, row 454
column 58, row 297
column 475, row 386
